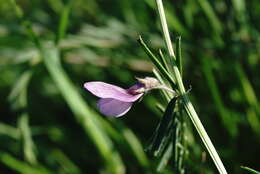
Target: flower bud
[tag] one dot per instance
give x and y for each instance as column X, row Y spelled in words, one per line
column 148, row 82
column 144, row 85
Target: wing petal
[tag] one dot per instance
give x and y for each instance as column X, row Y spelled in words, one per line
column 113, row 108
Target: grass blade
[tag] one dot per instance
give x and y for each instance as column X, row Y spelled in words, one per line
column 66, row 165
column 227, row 119
column 18, row 95
column 133, row 144
column 28, row 145
column 63, row 24
column 250, row 170
column 250, row 97
column 21, row 166
column 10, row 131
column 211, row 15
column 84, row 115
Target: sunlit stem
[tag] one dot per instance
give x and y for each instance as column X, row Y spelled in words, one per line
column 166, row 88
column 187, row 104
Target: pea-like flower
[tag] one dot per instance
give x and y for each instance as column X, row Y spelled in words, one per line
column 115, row 101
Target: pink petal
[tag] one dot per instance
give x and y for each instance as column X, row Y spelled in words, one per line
column 105, row 90
column 113, row 108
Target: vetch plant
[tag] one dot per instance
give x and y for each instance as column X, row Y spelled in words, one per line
column 173, row 76
column 115, row 101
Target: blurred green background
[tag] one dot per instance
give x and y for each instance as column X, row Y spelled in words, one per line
column 50, row 124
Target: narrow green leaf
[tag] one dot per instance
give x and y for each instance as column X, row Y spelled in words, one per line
column 250, row 170
column 28, row 144
column 18, row 95
column 63, row 24
column 133, row 143
column 25, row 23
column 10, row 131
column 120, row 133
column 168, row 62
column 21, row 166
column 248, row 90
column 250, row 97
column 227, row 119
column 165, row 158
column 156, row 62
column 163, row 131
column 28, row 27
column 211, row 15
column 179, row 144
column 240, row 12
column 66, row 165
column 178, row 54
column 163, row 60
column 18, row 11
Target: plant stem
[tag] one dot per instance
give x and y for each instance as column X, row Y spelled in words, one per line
column 164, row 25
column 187, row 104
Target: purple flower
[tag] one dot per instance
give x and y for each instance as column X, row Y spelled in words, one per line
column 115, row 101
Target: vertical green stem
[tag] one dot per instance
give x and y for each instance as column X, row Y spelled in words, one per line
column 188, row 105
column 165, row 27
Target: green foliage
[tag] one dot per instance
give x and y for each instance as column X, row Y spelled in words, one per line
column 48, row 49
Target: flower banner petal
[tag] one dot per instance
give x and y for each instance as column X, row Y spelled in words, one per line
column 105, row 90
